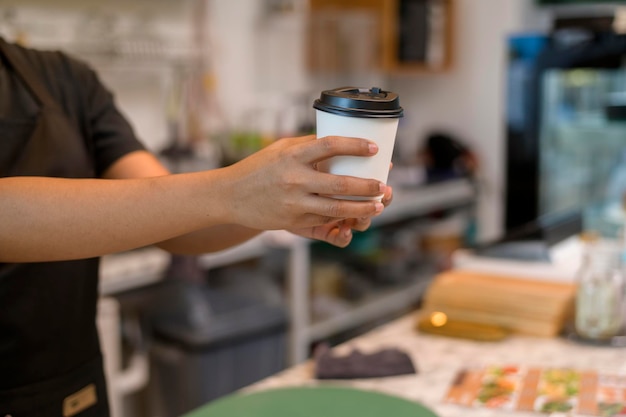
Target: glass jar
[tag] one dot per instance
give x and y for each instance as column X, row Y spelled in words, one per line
column 600, row 295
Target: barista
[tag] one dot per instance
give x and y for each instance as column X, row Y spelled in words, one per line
column 75, row 183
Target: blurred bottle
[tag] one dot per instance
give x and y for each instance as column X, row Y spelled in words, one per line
column 600, row 296
column 616, row 185
column 622, row 260
column 616, row 197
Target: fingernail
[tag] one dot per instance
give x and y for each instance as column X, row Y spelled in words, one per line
column 381, row 187
column 372, row 147
column 379, row 206
column 347, row 232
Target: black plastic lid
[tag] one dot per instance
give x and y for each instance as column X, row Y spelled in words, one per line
column 360, row 102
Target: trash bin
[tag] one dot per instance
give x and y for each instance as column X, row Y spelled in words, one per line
column 207, row 343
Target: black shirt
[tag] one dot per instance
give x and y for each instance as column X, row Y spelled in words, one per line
column 87, row 103
column 47, row 309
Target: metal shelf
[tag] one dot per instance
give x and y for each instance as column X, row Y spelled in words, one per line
column 133, row 269
column 424, row 199
column 371, row 308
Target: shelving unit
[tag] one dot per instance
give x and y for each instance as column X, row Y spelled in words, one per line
column 405, row 36
column 370, row 309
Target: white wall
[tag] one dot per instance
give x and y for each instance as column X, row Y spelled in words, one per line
column 258, row 60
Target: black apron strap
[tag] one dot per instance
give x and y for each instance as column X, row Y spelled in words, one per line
column 56, row 147
column 24, row 71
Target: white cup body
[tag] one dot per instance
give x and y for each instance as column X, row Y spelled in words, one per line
column 382, row 131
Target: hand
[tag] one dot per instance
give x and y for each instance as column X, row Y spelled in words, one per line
column 340, row 233
column 279, row 187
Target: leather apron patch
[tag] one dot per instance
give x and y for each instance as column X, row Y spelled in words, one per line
column 79, row 401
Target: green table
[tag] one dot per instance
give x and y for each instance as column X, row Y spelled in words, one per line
column 312, row 402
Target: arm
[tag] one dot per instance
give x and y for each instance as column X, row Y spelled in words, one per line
column 276, row 188
column 144, row 164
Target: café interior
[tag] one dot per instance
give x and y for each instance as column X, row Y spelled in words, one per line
column 493, row 284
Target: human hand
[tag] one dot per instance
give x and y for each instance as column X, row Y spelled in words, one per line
column 340, row 233
column 279, row 187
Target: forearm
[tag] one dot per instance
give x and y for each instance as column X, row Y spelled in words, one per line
column 53, row 219
column 211, row 239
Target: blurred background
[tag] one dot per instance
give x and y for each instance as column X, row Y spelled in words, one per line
column 513, row 120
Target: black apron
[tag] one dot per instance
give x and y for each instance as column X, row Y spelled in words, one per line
column 50, row 361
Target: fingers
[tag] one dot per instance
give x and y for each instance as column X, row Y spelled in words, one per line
column 339, row 232
column 336, row 235
column 325, row 210
column 346, row 209
column 342, row 185
column 319, row 149
column 339, row 236
column 360, row 224
column 310, row 151
column 363, row 223
column 332, row 233
column 387, row 196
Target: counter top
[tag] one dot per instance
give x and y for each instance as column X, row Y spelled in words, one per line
column 438, row 359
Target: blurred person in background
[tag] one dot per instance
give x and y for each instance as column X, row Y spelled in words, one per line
column 76, row 183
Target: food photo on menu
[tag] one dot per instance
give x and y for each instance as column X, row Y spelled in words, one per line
column 542, row 390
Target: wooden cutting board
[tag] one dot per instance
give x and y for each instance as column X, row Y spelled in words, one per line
column 312, row 402
column 522, row 305
column 499, row 294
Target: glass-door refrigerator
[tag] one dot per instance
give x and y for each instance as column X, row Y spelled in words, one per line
column 566, row 130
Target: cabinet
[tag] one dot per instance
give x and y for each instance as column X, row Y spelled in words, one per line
column 392, row 36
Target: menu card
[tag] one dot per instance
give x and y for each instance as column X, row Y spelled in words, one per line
column 543, row 390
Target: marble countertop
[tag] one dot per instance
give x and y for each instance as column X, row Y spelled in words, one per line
column 438, row 359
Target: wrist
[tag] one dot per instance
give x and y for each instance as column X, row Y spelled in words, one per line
column 217, row 199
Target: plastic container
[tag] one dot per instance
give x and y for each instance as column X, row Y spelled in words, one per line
column 599, row 301
column 208, row 343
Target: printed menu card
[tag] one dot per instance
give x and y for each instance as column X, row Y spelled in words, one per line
column 542, row 390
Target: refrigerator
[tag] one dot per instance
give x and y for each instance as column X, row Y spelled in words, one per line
column 566, row 130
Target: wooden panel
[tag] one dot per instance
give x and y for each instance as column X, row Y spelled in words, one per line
column 519, row 304
column 330, row 23
column 325, row 39
column 348, row 4
column 400, row 67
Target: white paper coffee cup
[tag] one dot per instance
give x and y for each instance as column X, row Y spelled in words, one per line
column 361, row 113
